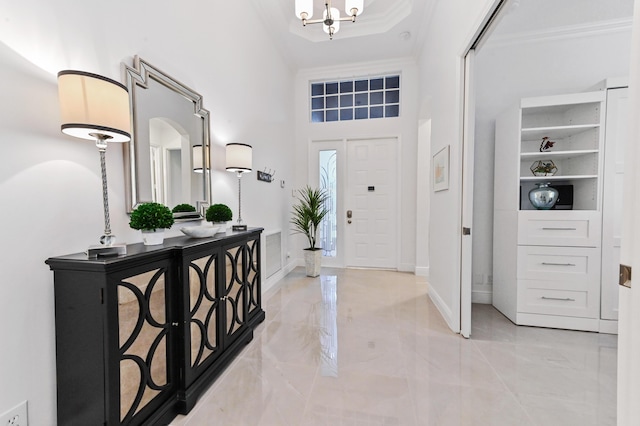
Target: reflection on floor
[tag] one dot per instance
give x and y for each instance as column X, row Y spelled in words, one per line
column 362, row 347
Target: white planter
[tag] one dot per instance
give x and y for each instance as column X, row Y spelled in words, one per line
column 313, row 261
column 222, row 226
column 153, row 238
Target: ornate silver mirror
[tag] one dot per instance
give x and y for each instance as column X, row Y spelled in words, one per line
column 168, row 157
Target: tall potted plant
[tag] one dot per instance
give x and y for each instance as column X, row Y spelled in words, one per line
column 307, row 216
column 152, row 219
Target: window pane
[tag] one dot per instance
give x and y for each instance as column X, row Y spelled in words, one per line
column 376, row 112
column 355, row 99
column 346, row 114
column 332, row 115
column 392, row 111
column 362, row 99
column 376, row 84
column 392, row 96
column 317, row 103
column 393, row 82
column 346, row 87
column 376, row 98
column 346, row 100
column 362, row 85
column 317, row 89
column 329, row 184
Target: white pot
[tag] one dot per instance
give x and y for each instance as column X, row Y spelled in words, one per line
column 153, row 238
column 313, row 261
column 222, row 226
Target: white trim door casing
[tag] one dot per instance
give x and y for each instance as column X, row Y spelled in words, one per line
column 466, row 242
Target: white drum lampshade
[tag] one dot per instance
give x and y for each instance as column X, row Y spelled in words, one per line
column 91, row 104
column 239, row 158
column 198, row 156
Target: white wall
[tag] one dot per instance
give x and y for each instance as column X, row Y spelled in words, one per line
column 50, row 183
column 450, row 30
column 405, row 128
column 506, row 72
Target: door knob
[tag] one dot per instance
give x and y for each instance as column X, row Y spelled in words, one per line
column 349, row 214
column 349, row 221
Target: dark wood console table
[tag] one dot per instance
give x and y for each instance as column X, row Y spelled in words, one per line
column 140, row 337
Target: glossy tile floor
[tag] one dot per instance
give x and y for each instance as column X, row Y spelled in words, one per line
column 362, row 347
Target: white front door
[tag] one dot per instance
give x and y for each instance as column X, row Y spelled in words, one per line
column 370, row 207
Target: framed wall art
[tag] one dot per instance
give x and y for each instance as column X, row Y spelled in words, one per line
column 440, row 169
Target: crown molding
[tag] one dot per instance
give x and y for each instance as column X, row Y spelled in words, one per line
column 561, row 33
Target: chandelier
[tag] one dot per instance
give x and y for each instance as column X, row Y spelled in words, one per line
column 331, row 15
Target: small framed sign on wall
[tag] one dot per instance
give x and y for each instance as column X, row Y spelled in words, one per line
column 440, row 169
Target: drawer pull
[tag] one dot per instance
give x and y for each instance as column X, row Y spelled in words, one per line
column 559, row 229
column 558, row 264
column 565, row 299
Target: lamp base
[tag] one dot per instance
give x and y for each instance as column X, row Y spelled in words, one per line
column 106, row 251
column 239, row 227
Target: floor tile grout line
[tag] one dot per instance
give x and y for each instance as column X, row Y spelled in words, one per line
column 511, row 393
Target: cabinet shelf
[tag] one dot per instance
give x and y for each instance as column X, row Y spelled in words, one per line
column 556, row 132
column 557, row 177
column 560, row 155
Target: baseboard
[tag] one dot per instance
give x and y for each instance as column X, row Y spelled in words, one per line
column 482, row 297
column 609, row 326
column 271, row 282
column 442, row 308
column 422, row 271
column 406, row 267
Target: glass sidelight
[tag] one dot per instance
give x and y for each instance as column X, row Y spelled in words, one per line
column 329, row 183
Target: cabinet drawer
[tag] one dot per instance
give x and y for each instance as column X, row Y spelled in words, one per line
column 550, row 298
column 558, row 228
column 565, row 264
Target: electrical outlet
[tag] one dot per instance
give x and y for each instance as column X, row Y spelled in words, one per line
column 17, row 416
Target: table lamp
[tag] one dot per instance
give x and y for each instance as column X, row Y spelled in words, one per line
column 96, row 108
column 239, row 160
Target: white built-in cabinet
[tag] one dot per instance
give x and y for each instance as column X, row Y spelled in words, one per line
column 555, row 268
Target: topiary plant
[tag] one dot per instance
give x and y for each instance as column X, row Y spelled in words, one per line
column 183, row 208
column 219, row 213
column 151, row 216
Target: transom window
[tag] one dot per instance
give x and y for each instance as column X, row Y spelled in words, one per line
column 357, row 99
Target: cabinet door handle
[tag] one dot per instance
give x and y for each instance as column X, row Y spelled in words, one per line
column 564, row 299
column 559, row 229
column 558, row 264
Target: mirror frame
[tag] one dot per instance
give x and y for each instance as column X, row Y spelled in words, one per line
column 136, row 78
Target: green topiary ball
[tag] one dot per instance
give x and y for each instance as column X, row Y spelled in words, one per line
column 219, row 213
column 151, row 216
column 183, row 208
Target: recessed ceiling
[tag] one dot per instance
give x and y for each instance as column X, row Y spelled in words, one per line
column 386, row 29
